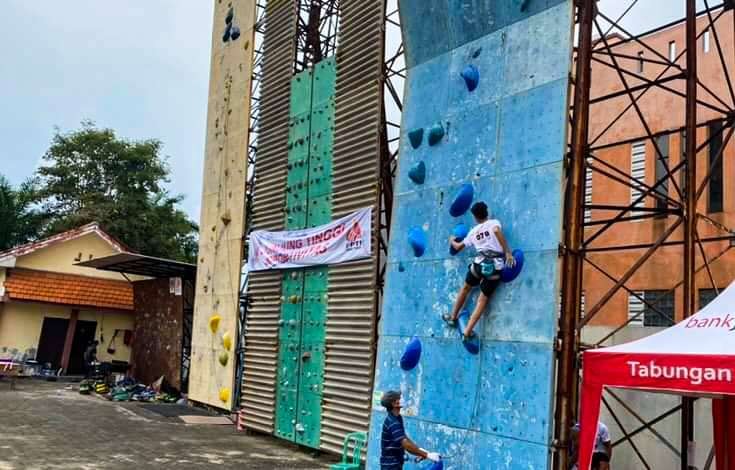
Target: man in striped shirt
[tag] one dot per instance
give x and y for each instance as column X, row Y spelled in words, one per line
column 393, row 442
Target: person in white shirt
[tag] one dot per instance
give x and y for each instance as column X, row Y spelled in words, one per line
column 602, row 453
column 493, row 253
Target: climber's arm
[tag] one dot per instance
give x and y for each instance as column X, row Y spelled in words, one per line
column 459, row 246
column 509, row 260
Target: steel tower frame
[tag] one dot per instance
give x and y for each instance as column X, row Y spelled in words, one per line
column 596, row 45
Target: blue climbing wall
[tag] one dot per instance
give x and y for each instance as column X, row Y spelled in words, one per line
column 506, row 138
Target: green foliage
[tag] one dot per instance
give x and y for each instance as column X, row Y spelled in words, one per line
column 19, row 221
column 92, row 175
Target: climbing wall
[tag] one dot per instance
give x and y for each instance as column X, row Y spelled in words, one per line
column 264, row 288
column 485, row 109
column 222, row 218
column 304, row 291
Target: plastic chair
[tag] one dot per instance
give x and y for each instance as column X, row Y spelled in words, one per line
column 354, row 463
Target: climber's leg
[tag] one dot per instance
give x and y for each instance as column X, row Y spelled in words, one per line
column 487, row 287
column 461, row 299
column 470, row 281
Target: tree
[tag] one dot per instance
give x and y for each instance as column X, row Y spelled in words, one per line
column 20, row 221
column 92, row 175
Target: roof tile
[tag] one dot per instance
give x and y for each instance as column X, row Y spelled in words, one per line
column 68, row 289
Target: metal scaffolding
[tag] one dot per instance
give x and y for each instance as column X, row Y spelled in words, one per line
column 599, row 39
column 316, row 32
column 394, row 75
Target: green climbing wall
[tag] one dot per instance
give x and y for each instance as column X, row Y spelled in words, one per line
column 308, row 204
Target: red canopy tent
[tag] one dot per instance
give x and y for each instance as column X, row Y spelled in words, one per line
column 696, row 357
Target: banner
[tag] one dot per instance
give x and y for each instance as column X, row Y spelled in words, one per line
column 346, row 239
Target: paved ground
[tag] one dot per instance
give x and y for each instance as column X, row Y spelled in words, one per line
column 45, row 426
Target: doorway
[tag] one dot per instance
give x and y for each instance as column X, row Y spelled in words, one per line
column 83, row 336
column 51, row 343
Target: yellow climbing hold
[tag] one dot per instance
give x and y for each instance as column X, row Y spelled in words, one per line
column 224, row 395
column 223, row 358
column 227, row 341
column 214, row 322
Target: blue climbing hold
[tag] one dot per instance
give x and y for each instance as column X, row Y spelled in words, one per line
column 417, row 240
column 411, row 354
column 436, row 466
column 235, row 34
column 436, row 133
column 460, row 232
column 471, row 77
column 401, row 268
column 226, row 35
column 462, row 201
column 416, row 136
column 417, row 173
column 230, row 16
column 472, row 345
column 509, row 274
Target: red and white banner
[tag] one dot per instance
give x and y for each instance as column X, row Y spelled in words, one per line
column 346, row 239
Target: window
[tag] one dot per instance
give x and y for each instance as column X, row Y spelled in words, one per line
column 638, row 171
column 682, row 157
column 635, row 307
column 706, row 296
column 587, row 193
column 662, row 162
column 640, row 62
column 714, row 201
column 582, row 302
column 661, row 315
column 705, row 42
column 672, row 51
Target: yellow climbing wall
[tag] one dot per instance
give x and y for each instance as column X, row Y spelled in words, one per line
column 222, row 222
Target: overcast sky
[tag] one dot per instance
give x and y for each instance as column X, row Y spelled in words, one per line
column 139, row 67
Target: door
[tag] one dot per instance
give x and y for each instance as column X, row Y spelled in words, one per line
column 51, row 343
column 83, row 336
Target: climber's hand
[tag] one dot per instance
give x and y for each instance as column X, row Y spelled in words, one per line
column 510, row 261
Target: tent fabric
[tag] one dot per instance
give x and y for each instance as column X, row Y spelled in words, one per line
column 694, row 357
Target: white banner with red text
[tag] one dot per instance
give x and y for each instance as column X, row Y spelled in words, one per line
column 346, row 239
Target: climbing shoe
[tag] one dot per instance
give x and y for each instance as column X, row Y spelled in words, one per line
column 468, row 338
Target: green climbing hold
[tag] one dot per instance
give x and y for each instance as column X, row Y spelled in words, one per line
column 436, row 133
column 223, row 358
column 416, row 136
column 417, row 173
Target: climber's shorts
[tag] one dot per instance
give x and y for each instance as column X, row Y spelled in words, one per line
column 474, row 279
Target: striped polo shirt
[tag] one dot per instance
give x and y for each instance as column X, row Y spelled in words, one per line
column 392, row 454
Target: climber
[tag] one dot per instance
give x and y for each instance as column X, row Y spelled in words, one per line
column 393, row 442
column 493, row 254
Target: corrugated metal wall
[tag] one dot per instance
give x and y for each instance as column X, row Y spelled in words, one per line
column 264, row 289
column 351, row 320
